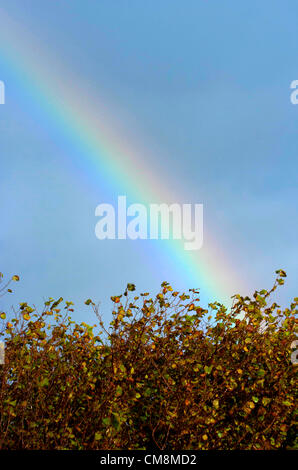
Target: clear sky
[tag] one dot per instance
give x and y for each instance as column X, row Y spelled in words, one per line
column 200, row 90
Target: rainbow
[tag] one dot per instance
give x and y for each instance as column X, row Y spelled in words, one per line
column 104, row 156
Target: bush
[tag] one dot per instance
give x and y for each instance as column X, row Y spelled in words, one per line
column 166, row 374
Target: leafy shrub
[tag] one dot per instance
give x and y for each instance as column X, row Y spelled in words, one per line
column 165, row 374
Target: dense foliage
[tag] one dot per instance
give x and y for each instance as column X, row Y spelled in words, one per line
column 165, row 374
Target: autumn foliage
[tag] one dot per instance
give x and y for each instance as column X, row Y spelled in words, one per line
column 165, row 374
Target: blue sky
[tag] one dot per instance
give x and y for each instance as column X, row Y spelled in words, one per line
column 205, row 86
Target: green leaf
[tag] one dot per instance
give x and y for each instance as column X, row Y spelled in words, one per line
column 44, row 382
column 261, row 373
column 208, row 369
column 287, row 403
column 115, row 421
column 119, row 391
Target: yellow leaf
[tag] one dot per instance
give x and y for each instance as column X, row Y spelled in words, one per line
column 216, row 404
